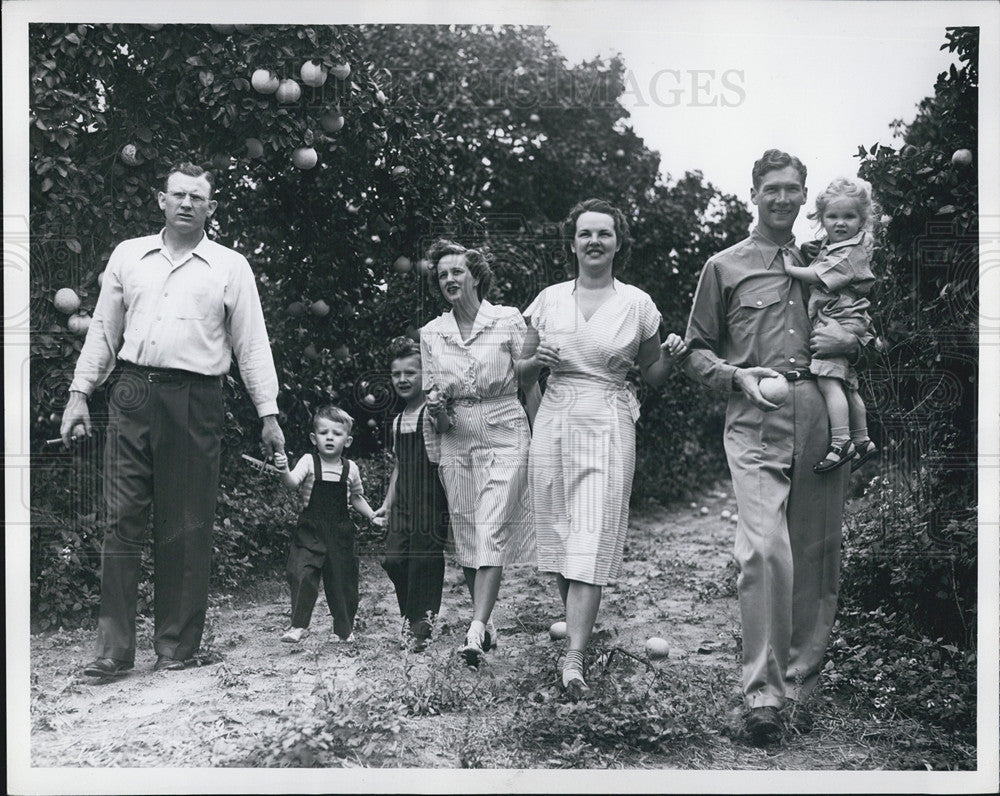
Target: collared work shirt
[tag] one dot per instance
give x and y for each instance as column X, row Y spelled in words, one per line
column 190, row 315
column 748, row 312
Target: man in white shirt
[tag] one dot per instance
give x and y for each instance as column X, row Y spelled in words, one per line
column 173, row 309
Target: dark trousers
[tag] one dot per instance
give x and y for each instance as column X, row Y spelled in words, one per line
column 414, row 562
column 338, row 569
column 162, row 452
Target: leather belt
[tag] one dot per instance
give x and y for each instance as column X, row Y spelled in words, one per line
column 799, row 375
column 153, row 375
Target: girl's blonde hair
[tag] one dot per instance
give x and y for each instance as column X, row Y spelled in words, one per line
column 853, row 188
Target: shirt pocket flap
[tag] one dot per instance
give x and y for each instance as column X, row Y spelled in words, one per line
column 759, row 300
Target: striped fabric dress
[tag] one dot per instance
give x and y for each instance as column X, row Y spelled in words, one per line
column 484, row 455
column 583, row 449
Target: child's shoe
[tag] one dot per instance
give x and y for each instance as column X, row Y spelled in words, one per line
column 836, row 456
column 863, row 451
column 338, row 640
column 294, row 635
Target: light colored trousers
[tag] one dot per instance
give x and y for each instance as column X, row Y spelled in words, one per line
column 787, row 541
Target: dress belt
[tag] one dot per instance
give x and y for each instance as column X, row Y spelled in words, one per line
column 472, row 400
column 612, row 388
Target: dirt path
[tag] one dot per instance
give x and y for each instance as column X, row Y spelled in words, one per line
column 678, row 583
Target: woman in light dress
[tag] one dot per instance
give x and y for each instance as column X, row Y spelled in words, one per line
column 592, row 329
column 468, row 355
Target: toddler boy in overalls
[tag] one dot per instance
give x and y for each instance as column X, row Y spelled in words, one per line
column 323, row 541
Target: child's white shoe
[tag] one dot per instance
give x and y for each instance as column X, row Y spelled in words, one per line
column 338, row 640
column 294, row 635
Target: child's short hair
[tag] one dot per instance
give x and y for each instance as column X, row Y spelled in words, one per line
column 775, row 160
column 403, row 347
column 476, row 260
column 335, row 415
column 851, row 187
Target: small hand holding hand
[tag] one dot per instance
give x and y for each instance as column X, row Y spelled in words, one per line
column 810, row 249
column 674, row 347
column 281, row 461
column 379, row 521
column 435, row 401
column 748, row 380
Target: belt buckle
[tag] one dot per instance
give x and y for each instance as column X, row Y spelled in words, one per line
column 793, row 375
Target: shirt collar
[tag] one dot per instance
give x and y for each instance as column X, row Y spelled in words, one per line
column 201, row 250
column 769, row 249
column 849, row 242
column 486, row 316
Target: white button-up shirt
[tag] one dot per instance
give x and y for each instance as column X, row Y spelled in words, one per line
column 191, row 315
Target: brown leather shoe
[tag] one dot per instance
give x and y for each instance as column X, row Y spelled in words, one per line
column 106, row 667
column 764, row 725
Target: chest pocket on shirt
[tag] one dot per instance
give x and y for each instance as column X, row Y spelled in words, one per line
column 193, row 305
column 749, row 313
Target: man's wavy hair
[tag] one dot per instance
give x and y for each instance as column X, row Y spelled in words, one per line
column 189, row 169
column 773, row 160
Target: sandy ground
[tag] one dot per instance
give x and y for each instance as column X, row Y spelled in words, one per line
column 677, row 584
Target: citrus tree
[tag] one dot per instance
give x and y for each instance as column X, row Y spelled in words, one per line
column 916, row 550
column 340, row 153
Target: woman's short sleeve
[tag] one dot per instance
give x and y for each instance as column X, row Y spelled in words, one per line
column 649, row 318
column 517, row 329
column 534, row 309
column 428, row 364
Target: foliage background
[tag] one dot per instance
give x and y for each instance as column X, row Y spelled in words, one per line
column 487, row 135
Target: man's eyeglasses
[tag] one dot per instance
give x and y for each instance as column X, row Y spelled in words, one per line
column 196, row 199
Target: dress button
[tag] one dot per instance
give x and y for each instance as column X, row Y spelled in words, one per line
column 791, row 302
column 153, row 342
column 792, row 360
column 759, row 302
column 791, row 331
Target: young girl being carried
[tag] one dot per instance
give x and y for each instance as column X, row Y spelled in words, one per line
column 841, row 277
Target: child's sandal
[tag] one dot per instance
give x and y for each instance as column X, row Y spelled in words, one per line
column 836, row 456
column 864, row 451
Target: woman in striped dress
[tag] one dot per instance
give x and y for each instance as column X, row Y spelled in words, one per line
column 468, row 356
column 591, row 329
